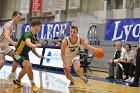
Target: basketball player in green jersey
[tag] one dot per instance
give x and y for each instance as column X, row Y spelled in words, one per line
column 27, row 42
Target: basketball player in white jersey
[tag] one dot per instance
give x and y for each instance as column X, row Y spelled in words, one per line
column 69, row 54
column 5, row 40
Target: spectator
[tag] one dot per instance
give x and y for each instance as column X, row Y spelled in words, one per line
column 53, row 43
column 128, row 62
column 40, row 42
column 59, row 43
column 45, row 43
column 137, row 68
column 119, row 53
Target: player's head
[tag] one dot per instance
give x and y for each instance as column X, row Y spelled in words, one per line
column 35, row 23
column 16, row 17
column 73, row 31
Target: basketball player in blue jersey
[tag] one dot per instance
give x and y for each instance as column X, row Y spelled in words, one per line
column 69, row 54
column 5, row 40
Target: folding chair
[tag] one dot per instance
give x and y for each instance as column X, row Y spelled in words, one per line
column 85, row 61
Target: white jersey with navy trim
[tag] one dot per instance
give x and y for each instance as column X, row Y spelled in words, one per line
column 72, row 49
column 2, row 38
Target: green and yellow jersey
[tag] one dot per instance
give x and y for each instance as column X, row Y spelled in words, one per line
column 22, row 48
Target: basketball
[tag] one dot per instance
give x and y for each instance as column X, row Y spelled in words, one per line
column 98, row 53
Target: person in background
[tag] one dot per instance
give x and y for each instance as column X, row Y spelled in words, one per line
column 59, row 43
column 135, row 83
column 128, row 62
column 114, row 62
column 53, row 43
column 45, row 43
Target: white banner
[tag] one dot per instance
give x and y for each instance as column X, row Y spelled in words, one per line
column 74, row 4
column 47, row 5
column 25, row 5
column 59, row 4
column 52, row 58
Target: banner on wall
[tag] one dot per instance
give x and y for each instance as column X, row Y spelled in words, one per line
column 51, row 30
column 25, row 5
column 36, row 5
column 74, row 4
column 123, row 30
column 47, row 5
column 59, row 4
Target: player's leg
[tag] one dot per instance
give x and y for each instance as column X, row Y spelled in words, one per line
column 21, row 74
column 78, row 70
column 67, row 71
column 69, row 76
column 28, row 66
column 12, row 75
column 2, row 59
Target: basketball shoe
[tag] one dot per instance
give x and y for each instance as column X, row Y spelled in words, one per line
column 18, row 83
column 34, row 88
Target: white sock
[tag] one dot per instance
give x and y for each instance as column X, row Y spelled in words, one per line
column 32, row 81
column 12, row 72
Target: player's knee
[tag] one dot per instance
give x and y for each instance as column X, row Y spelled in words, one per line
column 29, row 65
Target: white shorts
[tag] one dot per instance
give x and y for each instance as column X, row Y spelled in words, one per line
column 7, row 50
column 71, row 59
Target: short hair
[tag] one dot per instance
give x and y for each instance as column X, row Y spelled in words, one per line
column 35, row 22
column 129, row 46
column 118, row 42
column 59, row 41
column 46, row 40
column 74, row 27
column 15, row 13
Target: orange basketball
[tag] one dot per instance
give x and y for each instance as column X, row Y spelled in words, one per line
column 98, row 53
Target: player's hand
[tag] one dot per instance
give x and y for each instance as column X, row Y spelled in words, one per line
column 15, row 44
column 2, row 47
column 41, row 56
column 110, row 60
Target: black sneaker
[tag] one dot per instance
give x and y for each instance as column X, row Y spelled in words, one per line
column 71, row 84
column 133, row 85
column 119, row 78
column 18, row 83
column 110, row 77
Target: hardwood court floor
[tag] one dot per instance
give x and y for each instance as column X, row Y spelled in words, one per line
column 50, row 82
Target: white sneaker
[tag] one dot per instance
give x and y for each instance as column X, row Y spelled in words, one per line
column 132, row 79
column 87, row 81
column 128, row 80
column 11, row 76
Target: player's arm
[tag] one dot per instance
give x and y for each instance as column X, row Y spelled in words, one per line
column 87, row 46
column 30, row 44
column 63, row 48
column 7, row 30
column 33, row 46
column 35, row 52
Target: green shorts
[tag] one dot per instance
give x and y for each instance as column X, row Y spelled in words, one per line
column 20, row 58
